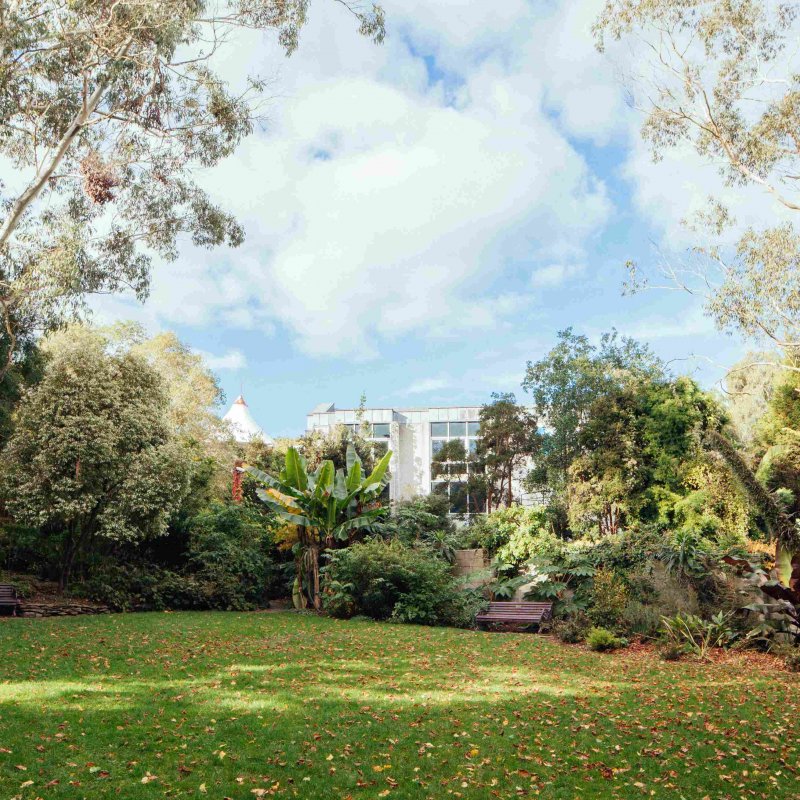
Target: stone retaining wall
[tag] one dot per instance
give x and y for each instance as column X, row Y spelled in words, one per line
column 31, row 609
column 471, row 562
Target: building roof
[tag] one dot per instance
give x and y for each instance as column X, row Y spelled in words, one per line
column 242, row 425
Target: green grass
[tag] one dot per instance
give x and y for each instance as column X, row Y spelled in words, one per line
column 259, row 705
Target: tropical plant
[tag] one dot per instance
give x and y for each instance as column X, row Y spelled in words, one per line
column 327, row 506
column 781, row 612
column 699, row 635
column 564, row 584
column 684, row 554
column 443, row 543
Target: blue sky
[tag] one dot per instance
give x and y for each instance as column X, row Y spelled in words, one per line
column 424, row 216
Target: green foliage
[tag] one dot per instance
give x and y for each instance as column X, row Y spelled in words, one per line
column 516, row 534
column 229, row 549
column 394, row 581
column 609, row 596
column 685, row 554
column 327, row 506
column 109, row 111
column 509, row 438
column 226, row 566
column 565, row 384
column 415, row 519
column 572, row 629
column 602, row 640
column 641, row 620
column 698, row 635
column 92, row 454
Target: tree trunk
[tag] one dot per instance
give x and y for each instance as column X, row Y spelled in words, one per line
column 316, row 597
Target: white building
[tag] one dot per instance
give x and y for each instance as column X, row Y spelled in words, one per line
column 414, row 436
column 242, row 426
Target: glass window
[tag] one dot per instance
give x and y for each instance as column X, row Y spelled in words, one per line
column 458, row 498
column 380, row 430
column 438, row 429
column 473, row 446
column 439, row 488
column 458, row 429
column 474, row 428
column 437, row 446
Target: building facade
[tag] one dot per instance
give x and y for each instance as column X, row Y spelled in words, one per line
column 417, row 438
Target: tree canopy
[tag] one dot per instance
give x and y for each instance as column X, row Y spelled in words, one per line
column 92, row 454
column 106, row 111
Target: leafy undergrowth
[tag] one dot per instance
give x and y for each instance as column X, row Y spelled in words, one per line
column 258, row 705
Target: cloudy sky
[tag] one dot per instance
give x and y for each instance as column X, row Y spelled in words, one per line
column 423, row 216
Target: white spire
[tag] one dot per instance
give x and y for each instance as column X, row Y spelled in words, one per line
column 242, row 425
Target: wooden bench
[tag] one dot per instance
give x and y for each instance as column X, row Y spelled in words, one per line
column 9, row 598
column 526, row 614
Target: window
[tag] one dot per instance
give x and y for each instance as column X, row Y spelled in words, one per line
column 381, row 430
column 451, row 443
column 438, row 429
column 458, row 498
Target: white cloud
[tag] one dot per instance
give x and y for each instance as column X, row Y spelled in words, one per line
column 553, row 275
column 427, row 385
column 378, row 205
column 230, row 360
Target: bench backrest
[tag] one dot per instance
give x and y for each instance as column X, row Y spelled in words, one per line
column 517, row 606
column 7, row 591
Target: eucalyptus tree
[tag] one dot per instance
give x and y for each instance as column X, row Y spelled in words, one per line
column 326, row 505
column 107, row 109
column 722, row 78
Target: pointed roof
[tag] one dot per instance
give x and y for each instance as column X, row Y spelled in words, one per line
column 242, row 425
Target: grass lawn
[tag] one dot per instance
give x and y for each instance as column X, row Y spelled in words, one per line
column 259, row 705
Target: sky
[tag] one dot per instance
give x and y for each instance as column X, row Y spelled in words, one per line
column 423, row 216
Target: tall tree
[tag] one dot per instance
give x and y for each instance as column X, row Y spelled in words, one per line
column 721, row 77
column 509, row 439
column 564, row 385
column 92, row 456
column 106, row 111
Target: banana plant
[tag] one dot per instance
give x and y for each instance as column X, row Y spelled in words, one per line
column 327, row 505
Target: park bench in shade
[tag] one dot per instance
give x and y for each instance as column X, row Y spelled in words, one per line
column 521, row 613
column 9, row 598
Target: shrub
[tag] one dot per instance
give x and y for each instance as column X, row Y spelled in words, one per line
column 394, row 581
column 602, row 640
column 609, row 596
column 516, row 534
column 415, row 519
column 573, row 629
column 228, row 555
column 698, row 635
column 639, row 619
column 143, row 588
